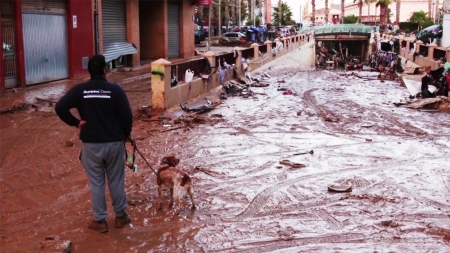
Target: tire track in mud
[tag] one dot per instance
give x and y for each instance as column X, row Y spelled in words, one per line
column 311, row 102
column 389, row 182
column 276, row 244
column 323, row 113
column 261, row 198
column 332, row 222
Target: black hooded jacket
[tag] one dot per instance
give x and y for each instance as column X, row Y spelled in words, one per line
column 103, row 105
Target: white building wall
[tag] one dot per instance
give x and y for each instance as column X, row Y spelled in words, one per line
column 407, row 7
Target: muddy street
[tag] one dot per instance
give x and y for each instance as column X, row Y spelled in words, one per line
column 395, row 159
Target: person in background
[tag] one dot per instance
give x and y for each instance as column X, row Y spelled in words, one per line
column 105, row 124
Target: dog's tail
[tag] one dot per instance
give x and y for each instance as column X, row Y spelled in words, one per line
column 186, row 179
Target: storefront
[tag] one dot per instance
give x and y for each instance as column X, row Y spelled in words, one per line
column 114, row 30
column 8, row 65
column 45, row 40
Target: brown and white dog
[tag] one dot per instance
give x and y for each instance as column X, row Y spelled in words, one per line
column 176, row 180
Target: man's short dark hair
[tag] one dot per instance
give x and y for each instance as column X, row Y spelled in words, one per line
column 97, row 65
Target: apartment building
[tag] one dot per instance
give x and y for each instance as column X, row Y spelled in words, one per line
column 49, row 40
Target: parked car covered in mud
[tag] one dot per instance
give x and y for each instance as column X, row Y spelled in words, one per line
column 430, row 33
column 232, row 38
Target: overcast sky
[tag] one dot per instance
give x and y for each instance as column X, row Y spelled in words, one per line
column 295, row 7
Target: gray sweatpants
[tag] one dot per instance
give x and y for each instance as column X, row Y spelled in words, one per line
column 105, row 158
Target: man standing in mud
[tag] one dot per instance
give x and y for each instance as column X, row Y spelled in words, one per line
column 105, row 123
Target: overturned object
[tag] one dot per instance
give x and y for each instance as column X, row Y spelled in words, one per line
column 340, row 188
column 442, row 103
column 199, row 107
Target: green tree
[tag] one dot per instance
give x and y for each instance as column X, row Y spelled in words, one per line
column 420, row 17
column 351, row 19
column 286, row 14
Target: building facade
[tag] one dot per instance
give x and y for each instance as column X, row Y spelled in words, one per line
column 371, row 13
column 334, row 11
column 49, row 40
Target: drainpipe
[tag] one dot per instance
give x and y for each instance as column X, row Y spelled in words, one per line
column 96, row 32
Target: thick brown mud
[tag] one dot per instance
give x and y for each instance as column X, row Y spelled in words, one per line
column 396, row 160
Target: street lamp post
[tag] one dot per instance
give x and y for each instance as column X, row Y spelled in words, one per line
column 220, row 17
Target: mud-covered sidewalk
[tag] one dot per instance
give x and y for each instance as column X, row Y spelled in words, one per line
column 396, row 160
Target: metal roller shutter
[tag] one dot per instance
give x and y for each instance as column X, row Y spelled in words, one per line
column 44, row 6
column 114, row 22
column 45, row 40
column 173, row 17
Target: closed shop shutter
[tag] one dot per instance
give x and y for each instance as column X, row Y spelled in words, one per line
column 45, row 40
column 44, row 6
column 173, row 18
column 114, row 20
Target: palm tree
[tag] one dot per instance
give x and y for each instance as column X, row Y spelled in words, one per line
column 233, row 11
column 397, row 14
column 383, row 13
column 342, row 11
column 360, row 5
column 326, row 11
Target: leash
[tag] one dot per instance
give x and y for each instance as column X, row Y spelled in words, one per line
column 131, row 158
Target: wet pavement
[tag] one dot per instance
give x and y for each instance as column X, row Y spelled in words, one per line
column 396, row 160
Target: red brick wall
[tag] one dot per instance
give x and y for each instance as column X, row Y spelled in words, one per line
column 133, row 29
column 153, row 29
column 18, row 33
column 187, row 45
column 2, row 74
column 80, row 38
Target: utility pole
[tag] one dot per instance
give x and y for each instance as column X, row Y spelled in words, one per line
column 240, row 21
column 220, row 17
column 280, row 16
column 209, row 28
column 254, row 12
column 437, row 15
column 301, row 15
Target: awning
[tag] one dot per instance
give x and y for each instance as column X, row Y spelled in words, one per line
column 113, row 51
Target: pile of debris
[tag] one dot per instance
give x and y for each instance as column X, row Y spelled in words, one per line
column 240, row 87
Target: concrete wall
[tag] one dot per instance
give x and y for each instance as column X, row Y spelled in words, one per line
column 421, row 60
column 164, row 96
column 153, row 39
column 446, row 33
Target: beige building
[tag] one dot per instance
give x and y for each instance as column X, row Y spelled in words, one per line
column 334, row 10
column 371, row 13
